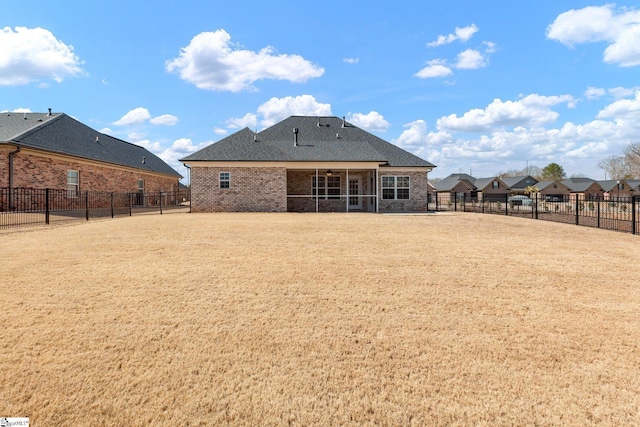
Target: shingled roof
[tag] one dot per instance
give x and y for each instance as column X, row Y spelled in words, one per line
column 61, row 134
column 308, row 139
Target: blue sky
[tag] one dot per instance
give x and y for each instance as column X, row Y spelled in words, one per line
column 480, row 87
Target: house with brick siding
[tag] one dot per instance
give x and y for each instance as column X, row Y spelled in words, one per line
column 307, row 164
column 53, row 150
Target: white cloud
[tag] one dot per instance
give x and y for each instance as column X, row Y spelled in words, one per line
column 435, row 68
column 31, row 54
column 212, row 62
column 277, row 109
column 165, row 119
column 463, row 34
column 249, row 120
column 141, row 115
column 594, row 92
column 106, row 131
column 416, row 139
column 470, row 59
column 351, row 60
column 620, row 29
column 532, row 110
column 627, row 109
column 372, row 121
column 622, row 92
column 135, row 116
column 220, row 131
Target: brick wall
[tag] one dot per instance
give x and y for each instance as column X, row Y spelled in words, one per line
column 417, row 194
column 34, row 171
column 251, row 190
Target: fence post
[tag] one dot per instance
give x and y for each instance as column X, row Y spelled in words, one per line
column 577, row 211
column 633, row 214
column 161, row 203
column 455, row 202
column 112, row 204
column 130, row 202
column 86, row 204
column 46, row 206
column 599, row 200
column 506, row 204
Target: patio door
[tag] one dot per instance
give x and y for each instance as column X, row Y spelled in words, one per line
column 355, row 182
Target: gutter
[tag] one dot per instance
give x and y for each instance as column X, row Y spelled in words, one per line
column 11, row 155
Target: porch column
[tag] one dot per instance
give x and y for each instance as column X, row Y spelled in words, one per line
column 377, row 192
column 317, row 187
column 347, row 189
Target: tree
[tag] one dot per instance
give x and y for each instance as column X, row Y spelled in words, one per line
column 632, row 158
column 617, row 167
column 552, row 171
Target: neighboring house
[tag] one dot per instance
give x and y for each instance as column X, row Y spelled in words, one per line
column 307, row 164
column 613, row 188
column 553, row 191
column 457, row 185
column 588, row 187
column 58, row 152
column 492, row 189
column 462, row 185
column 518, row 184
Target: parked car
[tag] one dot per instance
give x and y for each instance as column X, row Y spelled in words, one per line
column 520, row 201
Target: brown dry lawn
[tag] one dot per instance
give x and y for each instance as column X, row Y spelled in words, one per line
column 320, row 320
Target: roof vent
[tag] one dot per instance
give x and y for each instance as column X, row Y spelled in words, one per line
column 49, row 112
column 97, row 139
column 144, row 160
column 343, row 121
column 255, row 137
column 295, row 137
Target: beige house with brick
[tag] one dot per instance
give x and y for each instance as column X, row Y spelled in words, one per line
column 307, row 164
column 53, row 150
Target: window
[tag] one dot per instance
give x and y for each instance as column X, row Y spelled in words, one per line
column 73, row 183
column 495, row 184
column 395, row 187
column 225, row 180
column 329, row 186
column 141, row 185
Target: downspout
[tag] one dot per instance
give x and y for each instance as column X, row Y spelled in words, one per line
column 11, row 155
column 190, row 192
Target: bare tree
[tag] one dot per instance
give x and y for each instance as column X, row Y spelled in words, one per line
column 632, row 158
column 617, row 167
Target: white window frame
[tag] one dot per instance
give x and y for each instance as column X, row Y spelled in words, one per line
column 73, row 188
column 224, row 180
column 395, row 185
column 326, row 191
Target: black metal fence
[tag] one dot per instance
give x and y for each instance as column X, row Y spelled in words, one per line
column 32, row 206
column 612, row 213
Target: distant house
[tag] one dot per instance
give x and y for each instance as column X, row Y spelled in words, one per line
column 307, row 164
column 51, row 150
column 492, row 189
column 553, row 191
column 462, row 185
column 588, row 187
column 518, row 184
column 612, row 188
column 457, row 185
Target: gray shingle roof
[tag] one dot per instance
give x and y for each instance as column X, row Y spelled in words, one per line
column 578, row 184
column 59, row 133
column 519, row 182
column 319, row 139
column 449, row 183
